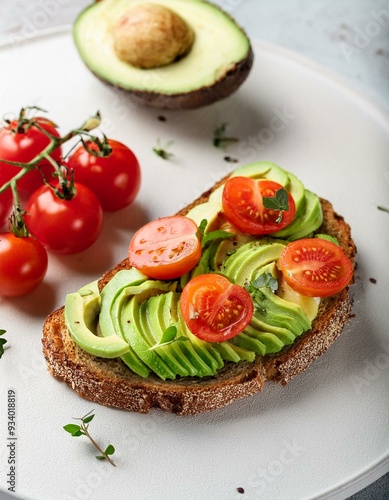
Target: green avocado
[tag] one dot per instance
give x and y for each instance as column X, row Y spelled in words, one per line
column 246, row 263
column 216, row 60
column 306, row 221
column 81, row 313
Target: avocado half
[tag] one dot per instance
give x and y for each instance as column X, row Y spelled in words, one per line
column 218, row 62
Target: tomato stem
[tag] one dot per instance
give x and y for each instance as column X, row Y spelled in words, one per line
column 54, row 143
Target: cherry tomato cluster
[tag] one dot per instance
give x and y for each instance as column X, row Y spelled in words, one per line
column 54, row 202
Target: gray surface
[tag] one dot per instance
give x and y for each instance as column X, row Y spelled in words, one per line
column 348, row 37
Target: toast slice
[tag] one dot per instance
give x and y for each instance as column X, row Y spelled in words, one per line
column 109, row 382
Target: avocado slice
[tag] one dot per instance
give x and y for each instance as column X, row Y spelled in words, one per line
column 81, row 312
column 306, row 222
column 214, row 66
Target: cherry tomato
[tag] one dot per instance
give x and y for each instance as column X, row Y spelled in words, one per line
column 214, row 309
column 22, row 147
column 5, row 201
column 23, row 264
column 64, row 226
column 243, row 205
column 316, row 267
column 115, row 179
column 166, row 248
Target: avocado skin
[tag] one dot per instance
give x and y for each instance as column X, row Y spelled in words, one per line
column 198, row 98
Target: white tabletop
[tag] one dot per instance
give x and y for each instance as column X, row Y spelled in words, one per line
column 347, row 37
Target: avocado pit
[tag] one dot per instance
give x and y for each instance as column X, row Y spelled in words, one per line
column 151, row 35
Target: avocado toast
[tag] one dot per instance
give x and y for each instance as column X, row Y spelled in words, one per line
column 238, row 367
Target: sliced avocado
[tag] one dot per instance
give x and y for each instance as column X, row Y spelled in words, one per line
column 208, row 211
column 171, row 317
column 81, row 312
column 247, row 261
column 205, row 350
column 306, row 222
column 151, row 315
column 140, row 339
column 263, row 170
column 297, row 190
column 252, row 344
column 128, row 279
column 216, row 64
column 278, row 312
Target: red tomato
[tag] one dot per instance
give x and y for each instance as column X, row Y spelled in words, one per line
column 5, row 202
column 115, row 179
column 64, row 226
column 166, row 248
column 316, row 267
column 23, row 147
column 23, row 264
column 214, row 309
column 243, row 205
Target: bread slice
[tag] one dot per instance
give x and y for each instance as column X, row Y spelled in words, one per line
column 111, row 383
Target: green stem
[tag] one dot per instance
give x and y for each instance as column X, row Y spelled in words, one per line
column 85, row 429
column 54, row 143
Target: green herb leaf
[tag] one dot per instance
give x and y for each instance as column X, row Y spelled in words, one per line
column 278, row 202
column 2, row 342
column 169, row 334
column 202, row 227
column 219, row 138
column 82, row 430
column 265, row 280
column 110, row 450
column 88, row 419
column 73, row 429
column 162, row 151
column 219, row 234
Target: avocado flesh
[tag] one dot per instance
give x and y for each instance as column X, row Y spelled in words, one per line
column 81, row 312
column 140, row 338
column 152, row 315
column 170, row 316
column 127, row 279
column 219, row 46
column 306, row 222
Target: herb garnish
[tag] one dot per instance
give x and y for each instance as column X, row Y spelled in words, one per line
column 82, row 430
column 162, row 150
column 265, row 280
column 383, row 209
column 279, row 202
column 2, row 342
column 219, row 138
column 219, row 234
column 168, row 337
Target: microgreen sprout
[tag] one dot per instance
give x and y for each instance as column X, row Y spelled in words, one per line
column 2, row 342
column 163, row 150
column 220, row 140
column 265, row 280
column 383, row 209
column 83, row 430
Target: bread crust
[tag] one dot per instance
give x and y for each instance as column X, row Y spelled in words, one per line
column 111, row 383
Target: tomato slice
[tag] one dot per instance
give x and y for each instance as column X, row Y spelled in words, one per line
column 243, row 205
column 316, row 267
column 214, row 309
column 166, row 248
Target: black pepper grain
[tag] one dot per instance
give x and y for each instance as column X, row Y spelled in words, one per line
column 373, row 280
column 240, row 490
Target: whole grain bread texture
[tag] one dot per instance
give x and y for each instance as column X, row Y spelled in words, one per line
column 111, row 383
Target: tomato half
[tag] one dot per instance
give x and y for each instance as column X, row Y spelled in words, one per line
column 23, row 147
column 316, row 267
column 243, row 205
column 64, row 226
column 115, row 179
column 166, row 248
column 23, row 264
column 214, row 309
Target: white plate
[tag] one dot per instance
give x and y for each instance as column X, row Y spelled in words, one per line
column 326, row 434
